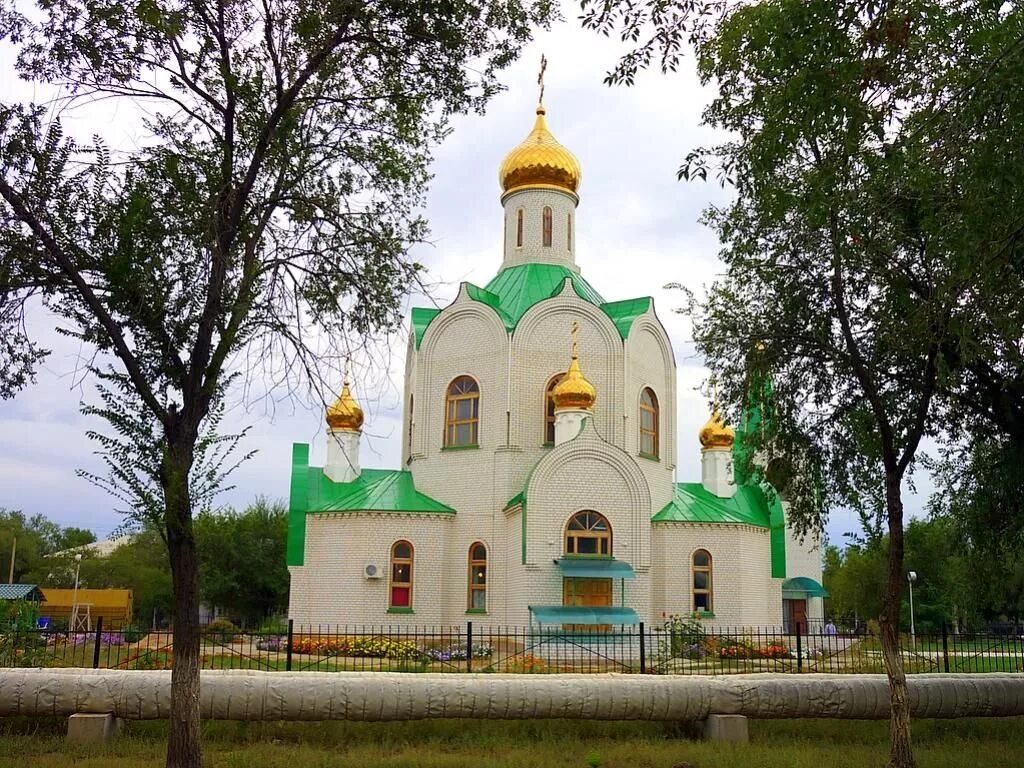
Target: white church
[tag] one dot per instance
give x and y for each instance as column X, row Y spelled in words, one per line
column 538, row 481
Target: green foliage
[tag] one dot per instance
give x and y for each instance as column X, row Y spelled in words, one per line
column 242, row 560
column 221, row 630
column 38, row 539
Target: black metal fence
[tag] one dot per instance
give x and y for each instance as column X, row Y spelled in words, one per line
column 683, row 648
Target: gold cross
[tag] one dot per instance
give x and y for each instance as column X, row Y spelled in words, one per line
column 540, row 77
column 575, row 329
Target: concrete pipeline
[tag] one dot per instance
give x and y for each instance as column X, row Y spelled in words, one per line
column 378, row 696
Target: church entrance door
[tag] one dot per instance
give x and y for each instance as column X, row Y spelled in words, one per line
column 587, row 592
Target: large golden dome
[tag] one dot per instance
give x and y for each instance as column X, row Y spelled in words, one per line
column 716, row 433
column 540, row 162
column 345, row 412
column 573, row 390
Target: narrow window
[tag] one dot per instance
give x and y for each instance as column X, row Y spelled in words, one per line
column 649, row 423
column 547, row 227
column 462, row 413
column 549, row 409
column 568, row 233
column 588, row 533
column 401, row 575
column 477, row 577
column 409, row 437
column 702, row 589
column 519, row 228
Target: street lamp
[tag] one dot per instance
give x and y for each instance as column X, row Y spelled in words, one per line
column 911, row 578
column 74, row 599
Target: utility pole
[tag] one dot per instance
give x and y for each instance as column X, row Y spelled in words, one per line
column 14, row 551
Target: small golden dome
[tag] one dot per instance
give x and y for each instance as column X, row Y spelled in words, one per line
column 573, row 390
column 345, row 412
column 716, row 433
column 540, row 162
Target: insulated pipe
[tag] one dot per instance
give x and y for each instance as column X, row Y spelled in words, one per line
column 246, row 695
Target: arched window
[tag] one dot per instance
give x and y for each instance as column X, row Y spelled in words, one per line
column 588, row 533
column 549, row 409
column 568, row 233
column 401, row 575
column 519, row 228
column 462, row 413
column 547, row 227
column 702, row 586
column 648, row 423
column 477, row 600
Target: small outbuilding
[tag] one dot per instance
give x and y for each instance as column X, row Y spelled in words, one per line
column 114, row 606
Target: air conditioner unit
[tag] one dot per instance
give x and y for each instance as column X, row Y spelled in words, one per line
column 371, row 571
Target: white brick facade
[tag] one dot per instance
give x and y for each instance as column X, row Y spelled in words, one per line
column 512, row 359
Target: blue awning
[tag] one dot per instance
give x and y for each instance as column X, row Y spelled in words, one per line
column 595, row 568
column 801, row 587
column 582, row 614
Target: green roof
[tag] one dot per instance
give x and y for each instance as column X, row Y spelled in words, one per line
column 514, row 290
column 750, row 505
column 692, row 503
column 421, row 317
column 802, row 587
column 623, row 313
column 519, row 288
column 375, row 490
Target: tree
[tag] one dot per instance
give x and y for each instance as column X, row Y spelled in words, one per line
column 869, row 263
column 259, row 224
column 242, row 559
column 38, row 539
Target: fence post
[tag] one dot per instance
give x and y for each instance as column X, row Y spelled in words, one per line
column 799, row 650
column 643, row 650
column 96, row 647
column 945, row 647
column 288, row 646
column 469, row 646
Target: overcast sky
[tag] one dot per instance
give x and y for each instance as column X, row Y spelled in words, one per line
column 637, row 229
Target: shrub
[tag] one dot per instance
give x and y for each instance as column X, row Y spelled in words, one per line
column 132, row 635
column 221, row 629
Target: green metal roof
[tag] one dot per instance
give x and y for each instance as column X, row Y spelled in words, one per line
column 595, row 568
column 375, row 490
column 520, row 287
column 692, row 503
column 20, row 592
column 802, row 587
column 623, row 313
column 514, row 290
column 581, row 614
column 421, row 317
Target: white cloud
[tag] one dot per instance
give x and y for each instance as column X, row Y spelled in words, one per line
column 637, row 230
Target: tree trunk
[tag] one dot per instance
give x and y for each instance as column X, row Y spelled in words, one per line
column 184, row 749
column 900, row 752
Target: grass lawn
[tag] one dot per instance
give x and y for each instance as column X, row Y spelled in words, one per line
column 993, row 743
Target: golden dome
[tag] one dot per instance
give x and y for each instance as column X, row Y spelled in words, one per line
column 716, row 433
column 540, row 162
column 573, row 390
column 345, row 412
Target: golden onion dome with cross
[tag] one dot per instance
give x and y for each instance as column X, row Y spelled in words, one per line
column 573, row 391
column 345, row 413
column 540, row 162
column 716, row 433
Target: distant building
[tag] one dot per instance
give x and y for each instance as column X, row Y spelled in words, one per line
column 539, row 459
